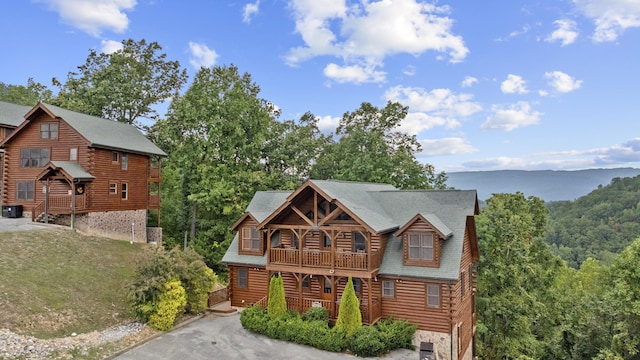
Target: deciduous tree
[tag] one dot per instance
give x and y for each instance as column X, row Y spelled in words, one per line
column 25, row 95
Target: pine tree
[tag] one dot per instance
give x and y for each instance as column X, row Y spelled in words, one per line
column 277, row 304
column 349, row 316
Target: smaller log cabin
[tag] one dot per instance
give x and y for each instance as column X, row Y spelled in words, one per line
column 11, row 116
column 412, row 254
column 96, row 175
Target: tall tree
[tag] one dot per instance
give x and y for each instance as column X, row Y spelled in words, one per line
column 124, row 85
column 370, row 148
column 25, row 95
column 215, row 135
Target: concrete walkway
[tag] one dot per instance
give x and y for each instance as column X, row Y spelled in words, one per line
column 222, row 337
column 21, row 224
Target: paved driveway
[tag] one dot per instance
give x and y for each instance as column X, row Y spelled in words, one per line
column 224, row 338
column 21, row 224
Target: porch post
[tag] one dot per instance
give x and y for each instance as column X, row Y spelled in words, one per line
column 73, row 205
column 46, row 201
column 370, row 300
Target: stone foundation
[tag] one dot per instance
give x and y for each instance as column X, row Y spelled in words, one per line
column 154, row 235
column 441, row 343
column 122, row 225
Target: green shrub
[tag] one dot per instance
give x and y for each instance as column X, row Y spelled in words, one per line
column 366, row 341
column 254, row 319
column 171, row 303
column 196, row 278
column 349, row 316
column 277, row 304
column 316, row 314
column 396, row 334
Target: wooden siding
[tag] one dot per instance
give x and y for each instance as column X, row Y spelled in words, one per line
column 410, row 303
column 257, row 286
column 421, row 226
column 464, row 314
column 249, row 222
column 98, row 162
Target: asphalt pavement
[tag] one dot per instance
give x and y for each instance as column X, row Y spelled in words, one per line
column 223, row 337
column 21, row 224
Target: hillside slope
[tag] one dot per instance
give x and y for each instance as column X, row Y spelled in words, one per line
column 549, row 185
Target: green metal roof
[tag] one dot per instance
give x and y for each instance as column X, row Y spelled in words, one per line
column 12, row 115
column 74, row 169
column 384, row 208
column 107, row 133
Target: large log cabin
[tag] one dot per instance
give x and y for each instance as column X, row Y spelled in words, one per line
column 11, row 116
column 412, row 254
column 96, row 175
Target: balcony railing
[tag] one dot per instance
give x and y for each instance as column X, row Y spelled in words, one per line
column 304, row 304
column 325, row 258
column 60, row 204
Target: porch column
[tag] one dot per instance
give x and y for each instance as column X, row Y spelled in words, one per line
column 370, row 300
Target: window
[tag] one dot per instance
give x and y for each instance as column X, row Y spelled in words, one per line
column 388, row 289
column 433, row 295
column 359, row 242
column 306, row 284
column 115, row 157
column 49, row 131
column 357, row 286
column 421, row 246
column 25, row 190
column 34, row 157
column 123, row 192
column 73, row 154
column 242, row 278
column 326, row 241
column 113, row 188
column 470, row 276
column 125, row 161
column 462, row 284
column 327, row 286
column 250, row 239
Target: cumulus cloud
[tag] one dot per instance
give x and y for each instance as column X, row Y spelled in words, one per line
column 328, row 123
column 611, row 17
column 94, row 17
column 353, row 74
column 625, row 153
column 366, row 32
column 469, row 81
column 516, row 115
column 514, row 84
column 250, row 10
column 562, row 82
column 111, row 46
column 446, row 146
column 438, row 107
column 566, row 32
column 201, row 55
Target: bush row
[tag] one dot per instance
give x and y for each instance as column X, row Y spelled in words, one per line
column 313, row 329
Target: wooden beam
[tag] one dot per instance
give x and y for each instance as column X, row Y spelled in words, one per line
column 303, row 216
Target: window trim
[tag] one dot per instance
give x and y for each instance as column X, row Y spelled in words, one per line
column 429, row 295
column 392, row 288
column 73, row 154
column 124, row 161
column 113, row 188
column 242, row 282
column 124, row 191
column 421, row 247
column 41, row 161
column 251, row 239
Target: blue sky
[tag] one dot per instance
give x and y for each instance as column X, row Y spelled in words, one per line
column 494, row 84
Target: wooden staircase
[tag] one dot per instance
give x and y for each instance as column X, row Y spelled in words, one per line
column 40, row 218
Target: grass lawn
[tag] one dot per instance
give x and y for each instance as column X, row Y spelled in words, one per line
column 55, row 282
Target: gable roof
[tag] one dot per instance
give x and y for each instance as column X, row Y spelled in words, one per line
column 70, row 169
column 101, row 133
column 12, row 115
column 383, row 208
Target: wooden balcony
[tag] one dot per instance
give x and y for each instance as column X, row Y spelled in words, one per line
column 347, row 260
column 154, row 173
column 61, row 204
column 304, row 304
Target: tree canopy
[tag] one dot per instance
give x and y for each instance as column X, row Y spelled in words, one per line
column 25, row 95
column 124, row 85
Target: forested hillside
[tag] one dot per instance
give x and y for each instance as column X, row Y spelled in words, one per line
column 597, row 225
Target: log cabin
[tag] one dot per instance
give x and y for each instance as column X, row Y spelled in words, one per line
column 98, row 176
column 11, row 116
column 411, row 254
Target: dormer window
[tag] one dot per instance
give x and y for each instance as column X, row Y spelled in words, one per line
column 49, row 131
column 250, row 239
column 421, row 246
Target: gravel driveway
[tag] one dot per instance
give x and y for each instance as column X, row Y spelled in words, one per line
column 224, row 338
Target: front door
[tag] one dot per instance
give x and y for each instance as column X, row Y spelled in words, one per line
column 327, row 289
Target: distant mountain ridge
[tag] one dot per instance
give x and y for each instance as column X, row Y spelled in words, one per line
column 549, row 185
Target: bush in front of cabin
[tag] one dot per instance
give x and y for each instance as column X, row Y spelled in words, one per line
column 254, row 319
column 196, row 278
column 367, row 341
column 316, row 314
column 277, row 304
column 349, row 316
column 396, row 333
column 171, row 303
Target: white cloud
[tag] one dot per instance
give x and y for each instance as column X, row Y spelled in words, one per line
column 111, row 46
column 201, row 55
column 514, row 84
column 625, row 153
column 428, row 109
column 566, row 32
column 95, row 16
column 469, row 81
column 366, row 32
column 328, row 123
column 517, row 115
column 562, row 82
column 446, row 146
column 611, row 17
column 249, row 10
column 353, row 74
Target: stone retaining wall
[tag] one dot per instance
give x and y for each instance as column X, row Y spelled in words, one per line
column 441, row 342
column 154, row 235
column 122, row 225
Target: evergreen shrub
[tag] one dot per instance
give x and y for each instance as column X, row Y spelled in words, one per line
column 366, row 341
column 171, row 304
column 396, row 333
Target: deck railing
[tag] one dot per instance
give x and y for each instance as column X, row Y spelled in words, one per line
column 325, row 259
column 60, row 204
